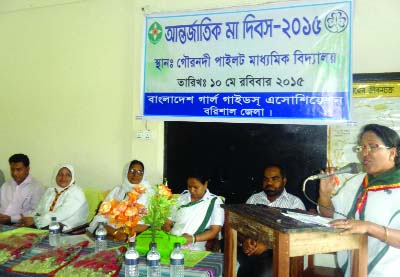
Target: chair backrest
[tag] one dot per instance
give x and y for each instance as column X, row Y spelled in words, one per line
column 94, row 197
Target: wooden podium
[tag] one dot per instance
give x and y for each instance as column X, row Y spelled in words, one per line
column 290, row 239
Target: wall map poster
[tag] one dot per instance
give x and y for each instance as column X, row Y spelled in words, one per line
column 277, row 62
column 373, row 102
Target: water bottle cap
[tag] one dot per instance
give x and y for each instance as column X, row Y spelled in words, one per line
column 153, row 244
column 53, row 218
column 132, row 243
column 177, row 244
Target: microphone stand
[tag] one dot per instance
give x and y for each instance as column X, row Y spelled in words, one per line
column 304, row 190
column 311, row 178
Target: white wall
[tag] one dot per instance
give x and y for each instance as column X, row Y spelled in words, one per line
column 70, row 79
column 66, row 83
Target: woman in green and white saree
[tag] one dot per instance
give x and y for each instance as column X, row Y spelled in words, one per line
column 198, row 216
column 369, row 203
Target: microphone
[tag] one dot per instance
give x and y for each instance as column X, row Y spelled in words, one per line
column 352, row 168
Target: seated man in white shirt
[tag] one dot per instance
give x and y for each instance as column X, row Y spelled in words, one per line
column 21, row 194
column 255, row 258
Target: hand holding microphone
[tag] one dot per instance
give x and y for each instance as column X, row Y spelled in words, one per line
column 328, row 185
column 328, row 181
column 352, row 168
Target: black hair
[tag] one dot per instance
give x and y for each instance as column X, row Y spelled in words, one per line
column 388, row 136
column 199, row 175
column 19, row 158
column 281, row 169
column 136, row 162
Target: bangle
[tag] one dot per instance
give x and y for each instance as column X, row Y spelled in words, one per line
column 193, row 239
column 115, row 232
column 386, row 234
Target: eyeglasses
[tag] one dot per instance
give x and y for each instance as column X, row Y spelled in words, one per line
column 135, row 171
column 370, row 148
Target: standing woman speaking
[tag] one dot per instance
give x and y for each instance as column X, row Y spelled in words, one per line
column 370, row 201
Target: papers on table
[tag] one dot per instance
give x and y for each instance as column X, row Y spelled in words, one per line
column 307, row 218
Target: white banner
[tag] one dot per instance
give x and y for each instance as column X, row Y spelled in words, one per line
column 274, row 62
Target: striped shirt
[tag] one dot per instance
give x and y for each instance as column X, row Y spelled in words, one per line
column 285, row 200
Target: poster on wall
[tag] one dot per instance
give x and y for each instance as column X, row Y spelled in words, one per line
column 287, row 62
column 373, row 102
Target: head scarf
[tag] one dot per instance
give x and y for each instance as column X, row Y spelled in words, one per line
column 58, row 168
column 60, row 190
column 119, row 195
column 128, row 186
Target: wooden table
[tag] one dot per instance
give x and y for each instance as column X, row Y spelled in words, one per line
column 290, row 239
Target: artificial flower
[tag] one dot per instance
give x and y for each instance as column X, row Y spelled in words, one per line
column 159, row 209
column 107, row 206
column 125, row 213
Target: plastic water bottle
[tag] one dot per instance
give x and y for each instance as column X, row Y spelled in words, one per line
column 131, row 261
column 177, row 268
column 54, row 233
column 153, row 261
column 100, row 236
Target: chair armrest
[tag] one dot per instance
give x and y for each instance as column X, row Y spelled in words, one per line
column 79, row 230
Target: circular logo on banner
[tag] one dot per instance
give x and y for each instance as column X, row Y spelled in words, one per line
column 336, row 21
column 155, row 32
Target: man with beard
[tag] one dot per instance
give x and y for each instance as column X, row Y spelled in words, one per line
column 254, row 257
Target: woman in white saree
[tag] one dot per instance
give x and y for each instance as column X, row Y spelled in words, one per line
column 132, row 176
column 198, row 216
column 64, row 200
